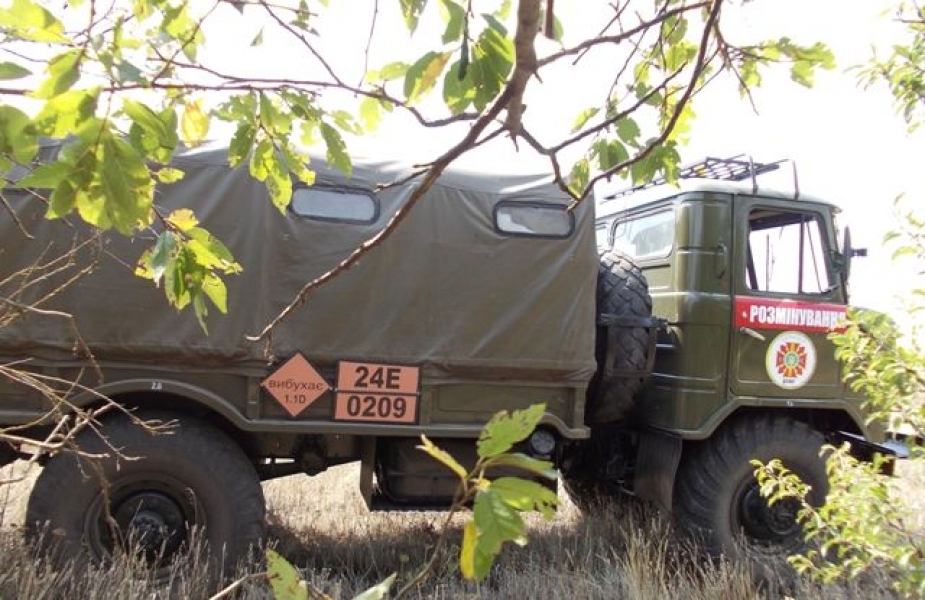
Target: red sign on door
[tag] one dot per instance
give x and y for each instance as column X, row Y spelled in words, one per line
column 791, row 315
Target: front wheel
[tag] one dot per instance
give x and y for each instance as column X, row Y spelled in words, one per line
column 158, row 495
column 717, row 497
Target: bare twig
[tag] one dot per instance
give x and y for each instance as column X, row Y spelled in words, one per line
column 623, row 36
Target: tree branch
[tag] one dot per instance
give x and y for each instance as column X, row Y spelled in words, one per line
column 429, row 178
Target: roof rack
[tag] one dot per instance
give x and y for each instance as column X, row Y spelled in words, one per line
column 734, row 168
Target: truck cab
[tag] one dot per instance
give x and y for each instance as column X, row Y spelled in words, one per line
column 748, row 283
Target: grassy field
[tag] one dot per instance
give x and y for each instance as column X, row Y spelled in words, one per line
column 322, row 526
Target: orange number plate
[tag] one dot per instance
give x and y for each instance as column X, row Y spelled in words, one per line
column 377, row 393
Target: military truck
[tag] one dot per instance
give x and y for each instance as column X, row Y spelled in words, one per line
column 694, row 342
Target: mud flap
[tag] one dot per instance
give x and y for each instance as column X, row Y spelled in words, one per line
column 864, row 450
column 656, row 466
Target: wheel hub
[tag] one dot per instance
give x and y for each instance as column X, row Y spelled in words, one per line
column 766, row 522
column 152, row 522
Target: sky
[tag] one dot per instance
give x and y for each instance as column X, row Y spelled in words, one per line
column 848, row 145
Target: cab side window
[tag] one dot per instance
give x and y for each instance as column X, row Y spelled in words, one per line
column 646, row 236
column 787, row 253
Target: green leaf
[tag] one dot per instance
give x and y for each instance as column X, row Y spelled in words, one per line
column 411, row 11
column 284, row 579
column 66, row 113
column 455, row 16
column 183, row 219
column 457, row 94
column 260, row 160
column 126, row 72
column 30, row 21
column 10, row 70
column 168, row 175
column 492, row 61
column 122, row 191
column 279, row 183
column 610, row 153
column 241, row 143
column 628, row 130
column 194, row 125
column 209, row 251
column 215, row 289
column 582, row 119
column 495, row 24
column 337, row 150
column 296, row 162
column 63, row 200
column 63, row 73
column 496, row 522
column 47, row 176
column 370, row 113
column 525, row 495
column 504, row 430
column 444, row 457
column 161, row 256
column 18, row 136
column 389, row 72
column 344, row 121
column 467, row 552
column 474, row 561
column 525, row 463
column 378, row 591
column 423, row 74
column 146, row 118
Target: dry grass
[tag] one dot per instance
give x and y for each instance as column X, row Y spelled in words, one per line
column 322, row 526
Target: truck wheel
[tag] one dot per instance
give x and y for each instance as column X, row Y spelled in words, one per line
column 621, row 290
column 717, row 497
column 191, row 484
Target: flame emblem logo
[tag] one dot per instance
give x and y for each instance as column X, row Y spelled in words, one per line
column 791, row 359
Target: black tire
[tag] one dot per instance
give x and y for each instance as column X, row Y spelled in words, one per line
column 194, row 479
column 717, row 496
column 621, row 290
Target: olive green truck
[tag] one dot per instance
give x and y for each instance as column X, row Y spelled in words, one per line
column 674, row 336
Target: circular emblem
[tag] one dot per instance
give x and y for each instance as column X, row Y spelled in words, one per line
column 791, row 360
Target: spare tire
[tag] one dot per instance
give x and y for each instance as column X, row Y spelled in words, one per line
column 622, row 291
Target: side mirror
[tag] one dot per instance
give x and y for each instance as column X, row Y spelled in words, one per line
column 847, row 253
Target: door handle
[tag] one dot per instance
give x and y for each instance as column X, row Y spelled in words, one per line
column 752, row 333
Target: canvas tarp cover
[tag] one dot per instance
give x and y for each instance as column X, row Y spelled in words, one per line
column 446, row 291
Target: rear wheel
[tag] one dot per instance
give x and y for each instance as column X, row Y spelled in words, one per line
column 622, row 291
column 155, row 499
column 717, row 497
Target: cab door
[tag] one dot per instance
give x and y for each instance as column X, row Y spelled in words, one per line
column 786, row 300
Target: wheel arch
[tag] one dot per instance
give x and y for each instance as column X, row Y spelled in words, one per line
column 827, row 421
column 825, row 416
column 176, row 397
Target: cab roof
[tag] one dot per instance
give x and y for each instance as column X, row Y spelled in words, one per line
column 735, row 176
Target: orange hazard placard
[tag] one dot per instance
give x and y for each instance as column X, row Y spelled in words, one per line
column 377, row 393
column 295, row 384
